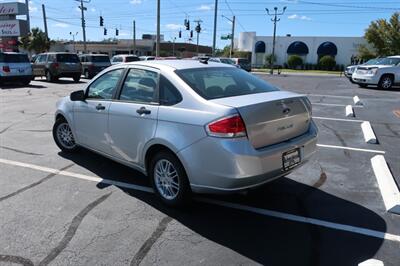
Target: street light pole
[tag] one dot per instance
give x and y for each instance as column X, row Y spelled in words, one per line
column 275, row 19
column 232, row 34
column 158, row 30
column 215, row 27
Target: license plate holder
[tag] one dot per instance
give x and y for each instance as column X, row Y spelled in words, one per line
column 291, row 159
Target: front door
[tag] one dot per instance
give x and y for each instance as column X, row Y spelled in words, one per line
column 133, row 117
column 91, row 115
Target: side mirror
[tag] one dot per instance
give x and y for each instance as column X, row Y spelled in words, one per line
column 77, row 96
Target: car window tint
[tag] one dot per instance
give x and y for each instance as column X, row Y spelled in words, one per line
column 131, row 59
column 104, row 87
column 169, row 94
column 139, row 86
column 14, row 58
column 100, row 59
column 220, row 82
column 68, row 58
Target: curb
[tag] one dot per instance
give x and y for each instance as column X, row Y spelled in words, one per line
column 349, row 111
column 357, row 100
column 369, row 135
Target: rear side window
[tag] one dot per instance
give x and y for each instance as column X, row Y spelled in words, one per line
column 67, row 58
column 139, row 86
column 14, row 58
column 219, row 82
column 169, row 94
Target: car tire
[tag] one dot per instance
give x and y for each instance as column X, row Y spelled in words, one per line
column 173, row 191
column 386, row 82
column 362, row 85
column 26, row 82
column 351, row 80
column 63, row 136
column 77, row 78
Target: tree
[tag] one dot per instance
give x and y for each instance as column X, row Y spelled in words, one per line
column 294, row 61
column 327, row 62
column 36, row 41
column 383, row 36
column 270, row 59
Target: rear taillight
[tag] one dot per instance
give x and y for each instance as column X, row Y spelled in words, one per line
column 6, row 69
column 227, row 127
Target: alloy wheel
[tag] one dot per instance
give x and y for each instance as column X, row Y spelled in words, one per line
column 65, row 136
column 166, row 179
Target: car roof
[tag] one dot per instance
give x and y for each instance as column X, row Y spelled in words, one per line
column 178, row 64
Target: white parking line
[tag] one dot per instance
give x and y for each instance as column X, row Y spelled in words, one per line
column 264, row 212
column 389, row 190
column 334, row 104
column 349, row 148
column 337, row 119
column 371, row 262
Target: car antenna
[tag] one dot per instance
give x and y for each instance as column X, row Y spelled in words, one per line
column 204, row 60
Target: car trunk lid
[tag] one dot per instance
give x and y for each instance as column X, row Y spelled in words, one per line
column 271, row 117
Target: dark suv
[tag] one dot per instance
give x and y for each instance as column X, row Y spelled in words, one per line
column 57, row 65
column 92, row 64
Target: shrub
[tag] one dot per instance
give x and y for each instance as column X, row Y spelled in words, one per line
column 327, row 62
column 294, row 61
column 269, row 58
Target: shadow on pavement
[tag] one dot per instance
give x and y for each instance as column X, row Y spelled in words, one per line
column 20, row 86
column 263, row 239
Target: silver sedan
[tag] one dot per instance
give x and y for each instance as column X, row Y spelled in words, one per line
column 191, row 126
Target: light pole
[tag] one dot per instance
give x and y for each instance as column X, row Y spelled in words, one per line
column 215, row 27
column 275, row 19
column 232, row 34
column 73, row 39
column 173, row 46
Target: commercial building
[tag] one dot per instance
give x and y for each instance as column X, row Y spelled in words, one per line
column 309, row 48
column 10, row 27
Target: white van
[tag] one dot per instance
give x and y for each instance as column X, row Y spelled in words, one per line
column 15, row 67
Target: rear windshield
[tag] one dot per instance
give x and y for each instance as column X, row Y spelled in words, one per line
column 67, row 58
column 220, row 82
column 14, row 58
column 100, row 59
column 131, row 59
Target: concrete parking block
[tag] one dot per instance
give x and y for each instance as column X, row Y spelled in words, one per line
column 369, row 135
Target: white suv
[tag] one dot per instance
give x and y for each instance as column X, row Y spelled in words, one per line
column 15, row 67
column 385, row 73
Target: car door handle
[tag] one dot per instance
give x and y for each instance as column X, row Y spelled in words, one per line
column 143, row 110
column 100, row 107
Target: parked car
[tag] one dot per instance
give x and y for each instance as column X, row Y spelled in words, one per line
column 147, row 58
column 57, row 65
column 124, row 58
column 224, row 60
column 384, row 73
column 348, row 72
column 15, row 67
column 190, row 126
column 243, row 63
column 92, row 64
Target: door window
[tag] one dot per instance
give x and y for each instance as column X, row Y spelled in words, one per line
column 104, row 87
column 169, row 94
column 139, row 86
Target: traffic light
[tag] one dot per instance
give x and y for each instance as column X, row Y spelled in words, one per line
column 187, row 24
column 105, row 31
column 198, row 28
column 101, row 21
column 191, row 34
column 116, row 32
column 180, row 34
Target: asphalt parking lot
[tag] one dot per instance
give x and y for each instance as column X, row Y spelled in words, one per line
column 83, row 209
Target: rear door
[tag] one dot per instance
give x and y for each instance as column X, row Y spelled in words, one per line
column 133, row 117
column 91, row 115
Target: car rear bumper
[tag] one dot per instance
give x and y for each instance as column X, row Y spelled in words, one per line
column 220, row 165
column 15, row 78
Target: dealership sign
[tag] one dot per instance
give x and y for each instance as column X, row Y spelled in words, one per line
column 13, row 9
column 10, row 28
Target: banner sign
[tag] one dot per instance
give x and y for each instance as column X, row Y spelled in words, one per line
column 10, row 28
column 13, row 9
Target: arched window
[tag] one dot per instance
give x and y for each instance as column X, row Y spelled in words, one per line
column 298, row 48
column 327, row 48
column 259, row 47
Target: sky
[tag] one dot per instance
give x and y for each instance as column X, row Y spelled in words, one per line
column 301, row 18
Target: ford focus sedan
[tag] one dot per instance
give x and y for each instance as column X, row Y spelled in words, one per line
column 189, row 126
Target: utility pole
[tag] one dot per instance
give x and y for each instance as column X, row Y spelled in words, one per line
column 158, row 30
column 215, row 27
column 134, row 37
column 232, row 34
column 45, row 21
column 73, row 39
column 173, row 46
column 275, row 19
column 82, row 8
column 28, row 19
column 198, row 30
